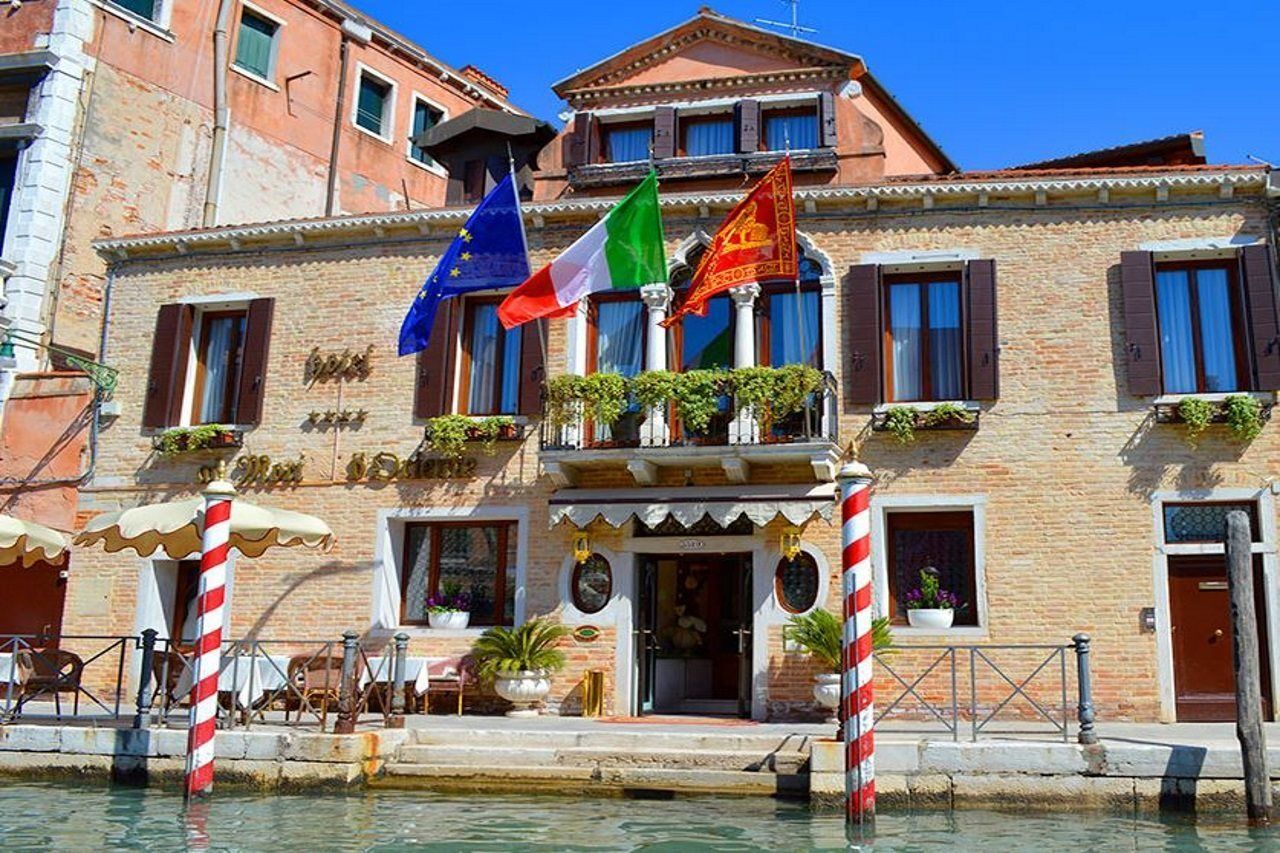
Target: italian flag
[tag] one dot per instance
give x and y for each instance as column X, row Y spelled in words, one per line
column 621, row 252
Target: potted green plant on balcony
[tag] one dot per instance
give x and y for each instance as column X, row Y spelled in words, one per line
column 929, row 605
column 518, row 661
column 449, row 609
column 178, row 440
column 819, row 634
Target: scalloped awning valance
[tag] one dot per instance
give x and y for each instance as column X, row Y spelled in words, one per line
column 797, row 504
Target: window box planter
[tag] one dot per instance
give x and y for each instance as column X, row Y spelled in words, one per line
column 1243, row 413
column 506, row 432
column 936, row 618
column 1168, row 413
column 953, row 417
column 180, row 440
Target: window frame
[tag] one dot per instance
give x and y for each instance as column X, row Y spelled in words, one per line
column 764, row 322
column 388, row 106
column 199, row 371
column 683, row 123
column 593, row 330
column 432, row 165
column 787, row 112
column 467, row 326
column 781, row 600
column 607, row 128
column 576, row 573
column 920, row 280
column 1239, row 321
column 942, row 518
column 505, row 531
column 267, row 79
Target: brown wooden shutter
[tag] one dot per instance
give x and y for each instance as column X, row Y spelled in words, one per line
column 746, row 114
column 1258, row 271
column 532, row 368
column 1142, row 338
column 595, row 139
column 984, row 342
column 575, row 142
column 664, row 132
column 170, row 352
column 827, row 119
column 253, row 367
column 433, row 388
column 862, row 303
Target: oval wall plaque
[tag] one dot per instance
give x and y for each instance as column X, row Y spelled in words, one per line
column 586, row 633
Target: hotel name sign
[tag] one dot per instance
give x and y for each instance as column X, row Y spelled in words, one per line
column 261, row 471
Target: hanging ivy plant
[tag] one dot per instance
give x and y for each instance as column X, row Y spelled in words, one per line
column 698, row 395
column 793, row 385
column 655, row 389
column 754, row 389
column 604, row 397
column 945, row 413
column 447, row 434
column 563, row 399
column 900, row 421
column 489, row 430
column 1196, row 413
column 1243, row 414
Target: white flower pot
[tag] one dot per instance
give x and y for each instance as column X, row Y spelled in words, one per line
column 523, row 690
column 826, row 690
column 449, row 620
column 936, row 618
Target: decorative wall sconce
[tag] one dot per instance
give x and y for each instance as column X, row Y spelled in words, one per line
column 581, row 546
column 790, row 544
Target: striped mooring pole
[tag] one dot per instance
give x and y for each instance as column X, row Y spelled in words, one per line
column 856, row 692
column 207, row 662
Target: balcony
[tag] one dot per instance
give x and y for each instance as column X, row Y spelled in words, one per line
column 715, row 166
column 652, row 433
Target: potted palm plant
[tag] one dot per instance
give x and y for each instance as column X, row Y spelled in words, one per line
column 930, row 606
column 819, row 634
column 519, row 660
column 449, row 609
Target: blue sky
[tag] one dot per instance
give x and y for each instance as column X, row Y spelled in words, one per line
column 995, row 83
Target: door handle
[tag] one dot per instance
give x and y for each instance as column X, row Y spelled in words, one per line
column 1217, row 633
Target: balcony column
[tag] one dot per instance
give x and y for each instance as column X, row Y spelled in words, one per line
column 657, row 298
column 744, row 429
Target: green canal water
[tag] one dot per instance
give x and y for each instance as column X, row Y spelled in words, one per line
column 60, row 817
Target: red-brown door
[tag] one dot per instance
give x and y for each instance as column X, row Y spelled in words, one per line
column 32, row 599
column 1203, row 665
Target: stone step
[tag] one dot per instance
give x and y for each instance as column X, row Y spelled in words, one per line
column 516, row 778
column 791, row 761
column 639, row 738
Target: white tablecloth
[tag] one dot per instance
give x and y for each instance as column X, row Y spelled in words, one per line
column 416, row 672
column 9, row 673
column 247, row 676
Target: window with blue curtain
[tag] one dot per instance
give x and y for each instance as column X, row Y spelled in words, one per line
column 627, row 144
column 141, row 8
column 1198, row 330
column 794, row 131
column 255, row 44
column 706, row 136
column 926, row 341
column 789, row 327
column 493, row 386
column 425, row 117
column 371, row 104
column 620, row 334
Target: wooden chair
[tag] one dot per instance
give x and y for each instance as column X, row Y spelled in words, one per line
column 53, row 671
column 167, row 669
column 315, row 684
column 451, row 675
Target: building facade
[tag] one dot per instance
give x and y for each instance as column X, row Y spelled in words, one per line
column 1008, row 351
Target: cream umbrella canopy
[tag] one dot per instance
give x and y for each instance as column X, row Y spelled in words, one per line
column 29, row 543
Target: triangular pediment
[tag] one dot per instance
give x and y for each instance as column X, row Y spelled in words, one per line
column 706, row 47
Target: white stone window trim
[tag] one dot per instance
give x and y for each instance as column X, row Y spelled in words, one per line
column 388, row 108
column 1198, row 248
column 434, row 166
column 204, row 305
column 158, row 26
column 708, row 105
column 388, row 558
column 1266, row 398
column 254, row 9
column 881, row 506
column 1265, row 502
column 920, row 260
column 922, row 406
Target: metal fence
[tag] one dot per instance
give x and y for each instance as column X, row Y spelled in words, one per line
column 988, row 689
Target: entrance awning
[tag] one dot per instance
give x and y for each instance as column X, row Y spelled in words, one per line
column 797, row 504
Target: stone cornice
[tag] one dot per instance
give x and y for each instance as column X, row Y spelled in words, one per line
column 758, row 83
column 377, row 226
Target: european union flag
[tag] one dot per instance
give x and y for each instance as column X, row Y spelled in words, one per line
column 488, row 252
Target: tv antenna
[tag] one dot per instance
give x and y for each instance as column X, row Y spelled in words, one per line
column 795, row 26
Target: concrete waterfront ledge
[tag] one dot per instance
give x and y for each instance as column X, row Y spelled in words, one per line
column 1112, row 775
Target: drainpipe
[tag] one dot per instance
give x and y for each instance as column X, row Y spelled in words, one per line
column 221, row 112
column 362, row 34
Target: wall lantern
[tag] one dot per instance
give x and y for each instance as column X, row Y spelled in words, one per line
column 790, row 544
column 581, row 546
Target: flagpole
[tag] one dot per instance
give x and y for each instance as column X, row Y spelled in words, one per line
column 524, row 239
column 804, row 349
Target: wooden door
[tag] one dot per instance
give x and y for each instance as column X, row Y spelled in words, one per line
column 1203, row 658
column 32, row 600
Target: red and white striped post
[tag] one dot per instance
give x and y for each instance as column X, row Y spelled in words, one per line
column 856, row 692
column 207, row 661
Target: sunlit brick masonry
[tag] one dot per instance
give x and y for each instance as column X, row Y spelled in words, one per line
column 1007, row 351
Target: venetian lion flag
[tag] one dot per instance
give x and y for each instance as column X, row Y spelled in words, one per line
column 623, row 251
column 756, row 242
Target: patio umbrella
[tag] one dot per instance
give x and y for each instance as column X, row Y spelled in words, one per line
column 211, row 525
column 29, row 543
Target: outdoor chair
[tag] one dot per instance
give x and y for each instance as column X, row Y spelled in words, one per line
column 452, row 675
column 53, row 671
column 315, row 682
column 167, row 669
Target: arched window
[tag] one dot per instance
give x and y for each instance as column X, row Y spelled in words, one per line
column 787, row 333
column 592, row 584
column 701, row 342
column 795, row 583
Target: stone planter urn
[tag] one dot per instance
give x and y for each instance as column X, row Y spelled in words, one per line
column 826, row 690
column 449, row 620
column 523, row 690
column 928, row 617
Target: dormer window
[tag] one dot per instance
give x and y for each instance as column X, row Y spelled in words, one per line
column 629, row 142
column 704, row 136
column 790, row 129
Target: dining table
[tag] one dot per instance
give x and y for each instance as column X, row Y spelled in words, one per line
column 248, row 677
